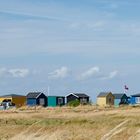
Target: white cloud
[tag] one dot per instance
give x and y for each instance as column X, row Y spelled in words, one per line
column 111, row 75
column 61, row 73
column 17, row 73
column 94, row 71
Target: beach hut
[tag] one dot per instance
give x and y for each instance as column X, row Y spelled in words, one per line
column 135, row 99
column 36, row 98
column 13, row 100
column 120, row 98
column 105, row 99
column 82, row 97
column 54, row 101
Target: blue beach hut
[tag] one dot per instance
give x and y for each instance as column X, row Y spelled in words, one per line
column 36, row 98
column 135, row 99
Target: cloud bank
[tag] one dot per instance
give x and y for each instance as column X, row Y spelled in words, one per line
column 16, row 73
column 61, row 73
column 111, row 75
column 92, row 72
column 96, row 73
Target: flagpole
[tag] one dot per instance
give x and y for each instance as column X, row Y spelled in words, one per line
column 48, row 90
column 124, row 91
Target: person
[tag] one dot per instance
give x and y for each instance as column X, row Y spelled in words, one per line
column 7, row 105
column 4, row 105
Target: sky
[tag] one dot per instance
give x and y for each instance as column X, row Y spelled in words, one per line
column 83, row 46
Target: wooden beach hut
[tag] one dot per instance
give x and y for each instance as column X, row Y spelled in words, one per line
column 105, row 99
column 135, row 99
column 36, row 98
column 120, row 99
column 13, row 99
column 54, row 101
column 82, row 97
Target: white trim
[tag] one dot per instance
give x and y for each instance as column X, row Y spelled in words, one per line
column 38, row 95
column 72, row 94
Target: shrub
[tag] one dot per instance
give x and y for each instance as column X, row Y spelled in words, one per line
column 74, row 103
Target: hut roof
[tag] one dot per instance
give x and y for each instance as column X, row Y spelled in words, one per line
column 103, row 94
column 79, row 95
column 12, row 95
column 136, row 95
column 119, row 95
column 33, row 94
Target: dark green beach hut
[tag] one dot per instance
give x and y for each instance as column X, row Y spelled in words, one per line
column 120, row 99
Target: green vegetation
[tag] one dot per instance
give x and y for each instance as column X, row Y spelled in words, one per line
column 74, row 103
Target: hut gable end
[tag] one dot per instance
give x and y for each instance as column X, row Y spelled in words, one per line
column 82, row 97
column 105, row 98
column 36, row 98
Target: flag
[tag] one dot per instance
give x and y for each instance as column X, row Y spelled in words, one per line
column 126, row 87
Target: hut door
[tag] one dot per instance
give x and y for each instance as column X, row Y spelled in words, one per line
column 60, row 101
column 42, row 101
column 110, row 101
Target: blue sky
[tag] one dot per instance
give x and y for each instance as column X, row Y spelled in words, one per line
column 71, row 46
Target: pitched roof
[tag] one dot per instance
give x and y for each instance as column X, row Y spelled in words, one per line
column 81, row 94
column 12, row 95
column 33, row 94
column 78, row 95
column 136, row 95
column 119, row 95
column 103, row 94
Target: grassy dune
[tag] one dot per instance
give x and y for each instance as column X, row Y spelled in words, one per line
column 80, row 123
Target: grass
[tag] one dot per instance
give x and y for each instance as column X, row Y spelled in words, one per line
column 67, row 123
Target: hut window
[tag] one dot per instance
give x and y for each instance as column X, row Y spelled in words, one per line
column 42, row 101
column 83, row 100
column 137, row 99
column 60, row 101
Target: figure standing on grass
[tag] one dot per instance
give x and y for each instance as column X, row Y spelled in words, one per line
column 4, row 106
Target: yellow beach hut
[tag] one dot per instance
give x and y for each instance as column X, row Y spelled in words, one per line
column 17, row 100
column 105, row 99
